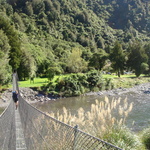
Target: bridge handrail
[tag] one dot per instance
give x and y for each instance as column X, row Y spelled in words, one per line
column 1, row 115
column 7, row 128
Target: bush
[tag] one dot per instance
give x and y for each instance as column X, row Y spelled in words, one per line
column 94, row 79
column 77, row 84
column 108, row 84
column 121, row 136
column 145, row 136
column 72, row 85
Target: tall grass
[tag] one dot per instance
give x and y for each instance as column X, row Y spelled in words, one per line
column 106, row 120
column 102, row 115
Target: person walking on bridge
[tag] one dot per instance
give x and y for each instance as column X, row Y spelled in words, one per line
column 15, row 98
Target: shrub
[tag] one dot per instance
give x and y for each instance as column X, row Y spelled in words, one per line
column 108, row 84
column 94, row 79
column 72, row 85
column 145, row 136
column 121, row 136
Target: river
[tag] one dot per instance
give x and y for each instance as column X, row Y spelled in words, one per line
column 137, row 120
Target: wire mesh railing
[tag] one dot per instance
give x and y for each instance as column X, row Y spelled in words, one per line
column 43, row 132
column 7, row 128
column 7, row 125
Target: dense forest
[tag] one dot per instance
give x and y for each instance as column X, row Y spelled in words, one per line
column 48, row 37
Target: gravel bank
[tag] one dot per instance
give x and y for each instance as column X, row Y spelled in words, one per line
column 140, row 89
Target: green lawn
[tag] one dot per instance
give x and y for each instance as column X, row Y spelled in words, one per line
column 38, row 82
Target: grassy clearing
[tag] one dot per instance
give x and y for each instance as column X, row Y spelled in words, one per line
column 125, row 81
column 38, row 82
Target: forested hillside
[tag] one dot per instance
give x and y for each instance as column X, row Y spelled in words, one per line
column 47, row 37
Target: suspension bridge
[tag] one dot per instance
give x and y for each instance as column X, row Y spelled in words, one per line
column 27, row 128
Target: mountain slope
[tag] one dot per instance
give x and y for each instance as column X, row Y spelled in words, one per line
column 88, row 22
column 48, row 30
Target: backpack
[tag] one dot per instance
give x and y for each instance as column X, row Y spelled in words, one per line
column 14, row 96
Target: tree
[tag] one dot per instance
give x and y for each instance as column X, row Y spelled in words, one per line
column 29, row 9
column 98, row 59
column 75, row 62
column 147, row 50
column 27, row 68
column 137, row 58
column 18, row 22
column 12, row 2
column 100, row 43
column 117, row 58
column 52, row 71
column 5, row 69
column 38, row 6
column 14, row 42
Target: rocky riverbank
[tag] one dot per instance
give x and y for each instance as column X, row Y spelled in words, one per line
column 142, row 88
column 27, row 94
column 32, row 96
column 5, row 98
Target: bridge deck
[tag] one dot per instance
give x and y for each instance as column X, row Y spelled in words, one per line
column 20, row 141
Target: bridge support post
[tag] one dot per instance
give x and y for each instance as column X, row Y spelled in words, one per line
column 75, row 137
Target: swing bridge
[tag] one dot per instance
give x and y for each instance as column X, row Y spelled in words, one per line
column 27, row 128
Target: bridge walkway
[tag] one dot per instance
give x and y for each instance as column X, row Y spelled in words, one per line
column 20, row 140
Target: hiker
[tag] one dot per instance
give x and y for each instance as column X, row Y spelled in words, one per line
column 15, row 98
